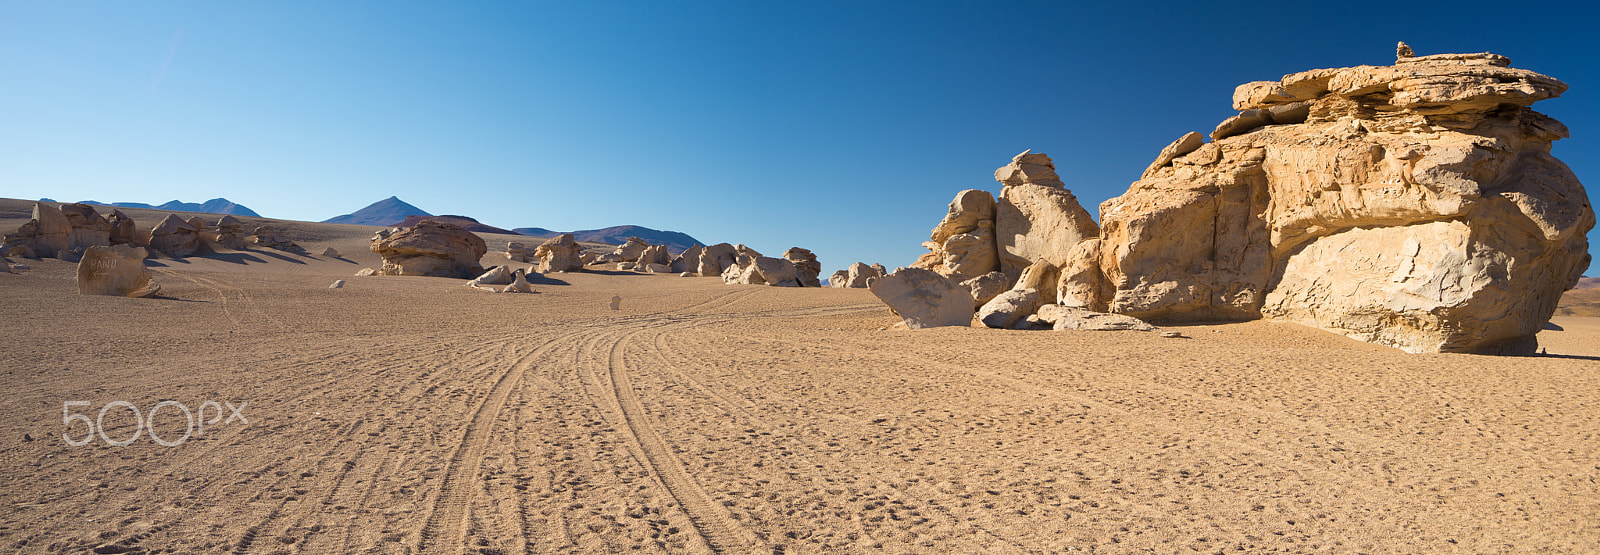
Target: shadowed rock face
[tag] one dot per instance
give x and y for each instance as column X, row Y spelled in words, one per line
column 431, row 249
column 1414, row 205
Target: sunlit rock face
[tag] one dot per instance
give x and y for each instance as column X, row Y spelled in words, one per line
column 1414, row 205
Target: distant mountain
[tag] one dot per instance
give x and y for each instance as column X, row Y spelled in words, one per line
column 1587, row 282
column 675, row 241
column 383, row 212
column 466, row 223
column 213, row 206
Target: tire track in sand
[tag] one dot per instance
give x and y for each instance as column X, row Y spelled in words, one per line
column 448, row 521
column 718, row 529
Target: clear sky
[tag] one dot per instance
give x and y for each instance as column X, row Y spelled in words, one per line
column 843, row 127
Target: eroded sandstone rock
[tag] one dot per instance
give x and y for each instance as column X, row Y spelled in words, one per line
column 117, row 271
column 1008, row 308
column 924, row 299
column 1414, row 205
column 431, row 248
column 175, row 237
column 805, row 265
column 559, row 254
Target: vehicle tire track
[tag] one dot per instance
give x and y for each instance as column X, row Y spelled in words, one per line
column 713, row 522
column 447, row 522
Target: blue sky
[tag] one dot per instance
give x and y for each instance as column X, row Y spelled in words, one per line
column 841, row 127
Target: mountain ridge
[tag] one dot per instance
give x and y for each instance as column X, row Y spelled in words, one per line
column 384, row 212
column 213, row 206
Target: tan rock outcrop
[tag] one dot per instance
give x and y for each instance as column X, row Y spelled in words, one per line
column 766, row 270
column 431, row 248
column 962, row 246
column 654, row 254
column 1036, row 219
column 175, row 237
column 230, row 233
column 559, row 254
column 630, row 250
column 1066, row 318
column 117, row 271
column 1414, row 205
column 856, row 276
column 519, row 283
column 516, row 251
column 688, row 260
column 1005, row 310
column 273, row 238
column 1040, row 276
column 986, row 287
column 498, row 275
column 806, row 266
column 715, row 259
column 71, row 228
column 124, row 231
column 88, row 228
column 924, row 299
column 1081, row 285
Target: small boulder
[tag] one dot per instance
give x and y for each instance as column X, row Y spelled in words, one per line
column 337, row 284
column 366, row 272
column 331, row 252
column 519, row 283
column 498, row 275
column 1006, row 309
column 1066, row 318
column 516, row 252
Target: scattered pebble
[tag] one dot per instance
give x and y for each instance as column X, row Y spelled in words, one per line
column 1173, row 334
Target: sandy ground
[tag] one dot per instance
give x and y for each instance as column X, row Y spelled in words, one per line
column 414, row 415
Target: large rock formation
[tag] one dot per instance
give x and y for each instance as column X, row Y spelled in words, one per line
column 806, row 266
column 653, row 254
column 924, row 299
column 124, row 231
column 1414, row 205
column 629, row 251
column 230, row 233
column 715, row 259
column 762, row 270
column 273, row 238
column 962, row 246
column 856, row 276
column 431, row 248
column 175, row 237
column 71, row 228
column 117, row 270
column 559, row 254
column 88, row 228
column 516, row 252
column 1036, row 217
column 688, row 260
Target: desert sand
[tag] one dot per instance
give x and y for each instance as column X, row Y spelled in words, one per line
column 414, row 415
